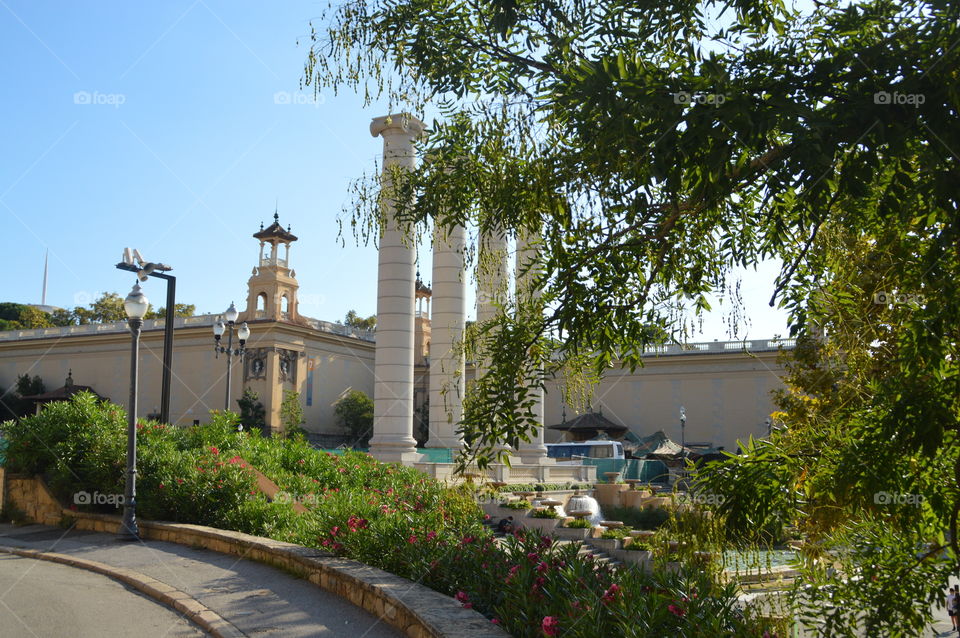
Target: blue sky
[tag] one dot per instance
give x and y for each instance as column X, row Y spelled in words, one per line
column 174, row 127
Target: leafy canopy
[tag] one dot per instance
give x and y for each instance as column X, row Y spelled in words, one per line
column 652, row 148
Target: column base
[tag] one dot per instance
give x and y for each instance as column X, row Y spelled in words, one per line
column 395, row 452
column 535, row 457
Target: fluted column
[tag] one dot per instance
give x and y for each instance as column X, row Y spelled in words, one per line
column 393, row 362
column 492, row 285
column 527, row 269
column 447, row 325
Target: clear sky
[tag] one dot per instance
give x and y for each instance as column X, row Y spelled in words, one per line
column 175, row 127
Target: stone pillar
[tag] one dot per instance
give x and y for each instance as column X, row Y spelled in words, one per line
column 527, row 268
column 492, row 286
column 447, row 324
column 393, row 440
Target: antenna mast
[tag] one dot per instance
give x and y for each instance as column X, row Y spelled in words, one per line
column 43, row 297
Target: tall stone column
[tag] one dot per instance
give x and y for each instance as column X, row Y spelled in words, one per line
column 492, row 285
column 393, row 362
column 527, row 268
column 447, row 325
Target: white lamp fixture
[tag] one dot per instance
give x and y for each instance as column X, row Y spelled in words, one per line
column 219, row 328
column 243, row 332
column 231, row 314
column 136, row 303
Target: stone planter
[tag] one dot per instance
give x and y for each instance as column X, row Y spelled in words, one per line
column 571, row 533
column 605, row 544
column 636, row 557
column 545, row 526
column 632, row 498
column 608, row 494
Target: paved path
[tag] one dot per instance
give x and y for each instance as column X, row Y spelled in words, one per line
column 46, row 600
column 255, row 599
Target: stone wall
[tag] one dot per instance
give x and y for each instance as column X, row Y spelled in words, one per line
column 32, row 497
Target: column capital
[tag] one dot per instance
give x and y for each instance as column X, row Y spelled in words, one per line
column 397, row 124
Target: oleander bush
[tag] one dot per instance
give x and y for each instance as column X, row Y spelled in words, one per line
column 387, row 516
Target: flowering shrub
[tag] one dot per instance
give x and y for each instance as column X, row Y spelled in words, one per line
column 387, row 516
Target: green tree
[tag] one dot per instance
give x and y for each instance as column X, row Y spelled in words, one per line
column 354, row 410
column 356, row 321
column 652, row 149
column 252, row 412
column 14, row 405
column 15, row 316
column 291, row 414
column 179, row 310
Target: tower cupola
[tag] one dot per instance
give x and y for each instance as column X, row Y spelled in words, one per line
column 272, row 289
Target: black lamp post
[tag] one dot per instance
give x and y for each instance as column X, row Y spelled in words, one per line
column 683, row 428
column 136, row 305
column 144, row 270
column 769, row 423
column 243, row 333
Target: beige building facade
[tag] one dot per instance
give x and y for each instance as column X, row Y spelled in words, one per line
column 725, row 388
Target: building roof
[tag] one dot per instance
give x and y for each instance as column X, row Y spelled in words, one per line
column 275, row 231
column 591, row 423
column 63, row 393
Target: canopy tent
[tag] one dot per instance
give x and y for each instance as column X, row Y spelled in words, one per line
column 660, row 446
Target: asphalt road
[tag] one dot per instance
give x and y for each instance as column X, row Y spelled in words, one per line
column 39, row 599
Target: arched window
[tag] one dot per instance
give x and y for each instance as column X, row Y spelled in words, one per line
column 262, row 302
column 284, row 305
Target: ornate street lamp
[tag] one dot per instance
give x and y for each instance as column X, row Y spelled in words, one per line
column 683, row 427
column 136, row 305
column 243, row 333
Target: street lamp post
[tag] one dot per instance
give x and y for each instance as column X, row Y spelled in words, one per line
column 136, row 305
column 144, row 270
column 683, row 427
column 243, row 333
column 769, row 423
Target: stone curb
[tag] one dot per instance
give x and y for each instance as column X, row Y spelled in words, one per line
column 192, row 609
column 413, row 609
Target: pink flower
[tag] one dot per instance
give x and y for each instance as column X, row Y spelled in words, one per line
column 214, row 450
column 550, row 625
column 462, row 597
column 542, row 567
column 495, row 621
column 412, row 539
column 161, row 486
column 431, row 536
column 611, row 593
column 676, row 611
column 236, row 460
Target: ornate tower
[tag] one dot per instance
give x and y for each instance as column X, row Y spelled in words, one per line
column 272, row 289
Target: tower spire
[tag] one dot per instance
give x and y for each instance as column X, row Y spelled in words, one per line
column 43, row 295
